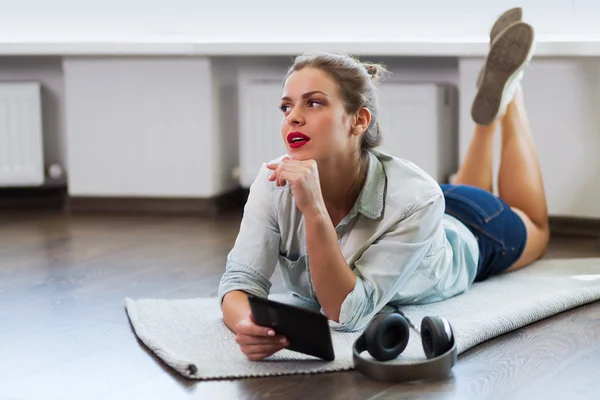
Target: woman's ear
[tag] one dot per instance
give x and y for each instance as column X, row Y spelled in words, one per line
column 361, row 121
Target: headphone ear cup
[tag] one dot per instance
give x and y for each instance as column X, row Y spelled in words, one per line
column 436, row 335
column 386, row 336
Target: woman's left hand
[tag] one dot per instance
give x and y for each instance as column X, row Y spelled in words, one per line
column 303, row 176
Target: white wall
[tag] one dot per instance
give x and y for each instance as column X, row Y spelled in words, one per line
column 141, row 127
column 334, row 19
column 562, row 97
column 260, row 83
column 167, row 127
column 225, row 125
column 47, row 71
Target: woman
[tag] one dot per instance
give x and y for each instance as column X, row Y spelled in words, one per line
column 377, row 229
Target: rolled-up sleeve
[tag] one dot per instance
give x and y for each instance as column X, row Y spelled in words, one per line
column 253, row 258
column 387, row 264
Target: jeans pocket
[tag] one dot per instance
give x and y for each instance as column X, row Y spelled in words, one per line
column 483, row 203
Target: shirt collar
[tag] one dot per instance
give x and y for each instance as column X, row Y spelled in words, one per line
column 370, row 200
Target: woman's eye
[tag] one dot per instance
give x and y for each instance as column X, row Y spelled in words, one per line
column 284, row 108
column 312, row 103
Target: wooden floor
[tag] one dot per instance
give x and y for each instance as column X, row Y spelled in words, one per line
column 64, row 332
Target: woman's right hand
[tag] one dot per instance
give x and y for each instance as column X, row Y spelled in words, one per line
column 258, row 342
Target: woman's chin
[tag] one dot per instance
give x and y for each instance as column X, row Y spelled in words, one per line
column 299, row 154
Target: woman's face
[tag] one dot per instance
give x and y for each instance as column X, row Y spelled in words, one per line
column 315, row 123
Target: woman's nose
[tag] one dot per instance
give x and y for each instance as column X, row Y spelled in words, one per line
column 295, row 117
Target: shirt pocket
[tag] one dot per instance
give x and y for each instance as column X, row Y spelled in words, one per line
column 296, row 275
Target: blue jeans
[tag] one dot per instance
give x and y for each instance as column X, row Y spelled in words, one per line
column 500, row 232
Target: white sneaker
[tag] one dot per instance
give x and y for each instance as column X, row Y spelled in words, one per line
column 509, row 54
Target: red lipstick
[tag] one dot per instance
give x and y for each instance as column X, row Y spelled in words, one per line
column 297, row 139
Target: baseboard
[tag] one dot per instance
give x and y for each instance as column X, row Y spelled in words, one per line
column 54, row 197
column 150, row 205
column 51, row 196
column 575, row 226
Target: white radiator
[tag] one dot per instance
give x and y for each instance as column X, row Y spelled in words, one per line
column 418, row 121
column 260, row 121
column 21, row 146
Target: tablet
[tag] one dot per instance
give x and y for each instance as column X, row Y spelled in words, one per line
column 307, row 331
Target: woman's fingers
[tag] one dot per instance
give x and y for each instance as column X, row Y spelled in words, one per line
column 265, row 350
column 290, row 177
column 249, row 328
column 284, row 172
column 249, row 340
column 259, row 347
column 274, row 166
column 258, row 342
column 281, row 178
column 276, row 170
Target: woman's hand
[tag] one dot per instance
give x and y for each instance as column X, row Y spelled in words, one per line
column 303, row 176
column 258, row 342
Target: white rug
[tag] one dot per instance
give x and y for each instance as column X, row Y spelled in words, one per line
column 189, row 334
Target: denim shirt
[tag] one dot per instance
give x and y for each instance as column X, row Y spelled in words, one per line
column 397, row 239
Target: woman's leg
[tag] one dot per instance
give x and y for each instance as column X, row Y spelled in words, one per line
column 477, row 168
column 520, row 181
column 500, row 98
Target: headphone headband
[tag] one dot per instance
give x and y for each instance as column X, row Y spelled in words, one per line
column 401, row 372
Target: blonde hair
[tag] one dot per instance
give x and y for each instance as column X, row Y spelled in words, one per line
column 357, row 82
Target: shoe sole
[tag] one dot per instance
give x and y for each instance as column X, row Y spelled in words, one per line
column 509, row 54
column 503, row 21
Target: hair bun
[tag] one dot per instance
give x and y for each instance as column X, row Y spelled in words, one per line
column 375, row 71
column 371, row 69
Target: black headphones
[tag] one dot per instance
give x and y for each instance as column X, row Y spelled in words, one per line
column 386, row 337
